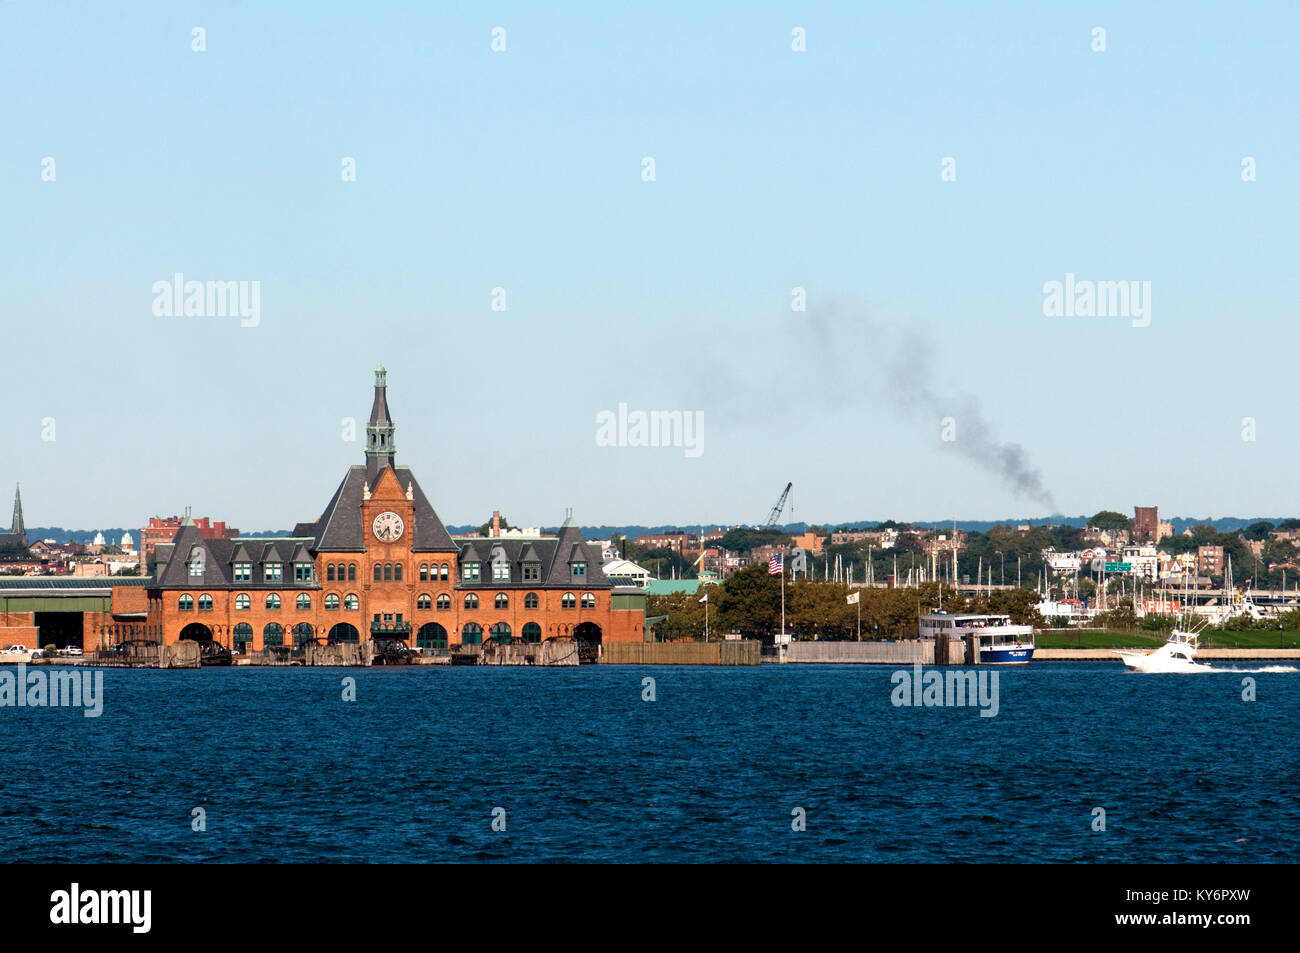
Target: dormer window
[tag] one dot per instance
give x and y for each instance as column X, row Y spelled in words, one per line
column 532, row 572
column 243, row 572
column 273, row 572
column 579, row 570
column 501, row 571
column 470, row 572
column 302, row 572
column 196, row 562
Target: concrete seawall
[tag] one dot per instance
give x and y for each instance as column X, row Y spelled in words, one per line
column 680, row 653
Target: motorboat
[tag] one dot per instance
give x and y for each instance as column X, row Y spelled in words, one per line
column 1176, row 656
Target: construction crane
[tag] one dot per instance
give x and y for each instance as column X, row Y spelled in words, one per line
column 773, row 516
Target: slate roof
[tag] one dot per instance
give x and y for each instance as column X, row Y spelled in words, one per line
column 553, row 555
column 220, row 556
column 339, row 529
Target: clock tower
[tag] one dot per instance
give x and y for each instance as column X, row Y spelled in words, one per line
column 380, row 451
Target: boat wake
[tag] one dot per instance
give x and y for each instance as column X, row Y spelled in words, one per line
column 1258, row 670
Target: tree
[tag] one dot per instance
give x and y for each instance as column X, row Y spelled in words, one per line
column 483, row 528
column 1110, row 521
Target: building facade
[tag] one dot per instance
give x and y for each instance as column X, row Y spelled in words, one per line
column 380, row 564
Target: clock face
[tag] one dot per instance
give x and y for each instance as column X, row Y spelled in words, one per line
column 388, row 527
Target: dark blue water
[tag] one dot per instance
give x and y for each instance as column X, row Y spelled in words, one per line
column 710, row 771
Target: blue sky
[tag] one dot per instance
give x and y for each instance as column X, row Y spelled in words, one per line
column 774, row 169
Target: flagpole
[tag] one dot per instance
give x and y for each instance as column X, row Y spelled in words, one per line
column 783, row 596
column 859, row 617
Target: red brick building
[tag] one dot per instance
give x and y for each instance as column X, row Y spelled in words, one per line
column 379, row 564
column 162, row 530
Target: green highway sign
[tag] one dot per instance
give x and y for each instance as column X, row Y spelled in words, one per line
column 1119, row 567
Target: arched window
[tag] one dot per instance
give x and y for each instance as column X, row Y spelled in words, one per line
column 388, row 572
column 501, row 634
column 532, row 632
column 471, row 601
column 530, row 601
column 205, row 603
column 444, row 570
column 444, row 601
column 431, row 637
column 242, row 601
column 588, row 601
column 273, row 634
column 185, row 603
column 351, row 602
column 332, row 601
column 352, row 572
column 343, row 632
column 424, row 572
column 303, row 601
column 424, row 601
column 272, row 601
column 379, row 573
column 397, row 572
column 502, row 601
column 243, row 636
column 329, row 573
column 303, row 633
column 471, row 634
column 568, row 601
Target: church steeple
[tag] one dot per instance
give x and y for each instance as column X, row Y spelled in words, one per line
column 380, row 450
column 18, row 529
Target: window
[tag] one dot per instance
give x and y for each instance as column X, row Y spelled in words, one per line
column 303, row 633
column 243, row 572
column 579, row 570
column 303, row 601
column 351, row 602
column 471, row 633
column 502, row 601
column 185, row 603
column 329, row 573
column 388, row 573
column 379, row 573
column 424, row 572
column 397, row 572
column 444, row 601
column 532, row 632
column 272, row 572
column 530, row 601
column 196, row 562
column 273, row 601
column 469, row 571
column 242, row 601
column 532, row 572
column 243, row 636
column 352, row 572
column 501, row 633
column 332, row 601
column 501, row 571
column 302, row 572
column 568, row 601
column 588, row 601
column 424, row 602
column 273, row 634
column 471, row 601
column 444, row 570
column 205, row 603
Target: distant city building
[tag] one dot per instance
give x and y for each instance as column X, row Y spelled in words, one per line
column 162, row 530
column 1146, row 523
column 1209, row 560
column 809, row 541
column 626, row 572
column 1143, row 560
column 678, row 542
column 884, row 538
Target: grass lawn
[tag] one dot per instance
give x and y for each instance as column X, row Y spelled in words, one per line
column 1104, row 639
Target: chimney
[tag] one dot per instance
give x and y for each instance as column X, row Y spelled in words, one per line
column 496, row 523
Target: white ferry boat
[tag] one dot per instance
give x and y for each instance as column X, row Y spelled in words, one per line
column 1001, row 641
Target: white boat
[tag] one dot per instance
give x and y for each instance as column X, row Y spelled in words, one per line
column 1001, row 642
column 1176, row 656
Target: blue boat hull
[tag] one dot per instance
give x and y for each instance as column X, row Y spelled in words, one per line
column 1006, row 656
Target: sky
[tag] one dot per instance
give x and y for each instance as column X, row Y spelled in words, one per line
column 922, row 380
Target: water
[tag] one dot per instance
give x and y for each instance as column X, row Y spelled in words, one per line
column 710, row 771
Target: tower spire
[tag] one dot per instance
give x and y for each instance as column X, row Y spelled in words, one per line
column 380, row 449
column 18, row 529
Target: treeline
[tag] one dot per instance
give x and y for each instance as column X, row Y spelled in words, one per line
column 749, row 602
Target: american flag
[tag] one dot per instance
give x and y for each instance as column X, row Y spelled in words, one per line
column 775, row 564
